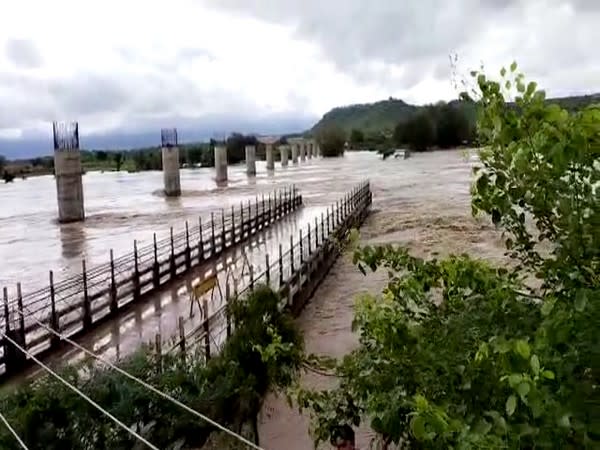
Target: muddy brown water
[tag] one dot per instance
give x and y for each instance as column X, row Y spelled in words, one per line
column 422, row 202
column 427, row 210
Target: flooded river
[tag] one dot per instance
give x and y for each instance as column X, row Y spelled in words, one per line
column 413, row 200
column 422, row 203
column 121, row 207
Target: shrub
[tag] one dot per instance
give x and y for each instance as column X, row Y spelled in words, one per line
column 332, row 141
column 459, row 354
column 263, row 351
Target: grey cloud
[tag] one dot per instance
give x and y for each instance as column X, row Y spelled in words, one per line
column 137, row 103
column 419, row 35
column 395, row 31
column 88, row 94
column 585, row 5
column 23, row 53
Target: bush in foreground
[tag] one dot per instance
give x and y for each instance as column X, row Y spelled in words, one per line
column 263, row 352
column 456, row 353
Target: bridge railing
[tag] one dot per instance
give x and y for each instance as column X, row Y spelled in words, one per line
column 295, row 273
column 76, row 304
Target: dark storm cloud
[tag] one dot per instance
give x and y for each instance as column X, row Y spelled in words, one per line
column 23, row 53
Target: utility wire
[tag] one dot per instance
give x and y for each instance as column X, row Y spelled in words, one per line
column 126, row 374
column 81, row 394
column 140, row 382
column 13, row 432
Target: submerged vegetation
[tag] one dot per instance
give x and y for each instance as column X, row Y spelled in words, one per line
column 263, row 352
column 457, row 353
column 332, row 141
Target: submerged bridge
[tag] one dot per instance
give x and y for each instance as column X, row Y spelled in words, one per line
column 68, row 168
column 78, row 306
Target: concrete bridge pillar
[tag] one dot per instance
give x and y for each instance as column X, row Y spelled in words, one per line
column 251, row 160
column 221, row 163
column 295, row 153
column 283, row 150
column 270, row 158
column 68, row 171
column 309, row 146
column 170, row 166
column 170, row 162
column 302, row 151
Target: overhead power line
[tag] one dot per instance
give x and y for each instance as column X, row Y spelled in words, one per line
column 140, row 382
column 78, row 392
column 13, row 432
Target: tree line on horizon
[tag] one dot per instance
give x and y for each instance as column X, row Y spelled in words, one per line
column 393, row 123
column 443, row 125
column 139, row 159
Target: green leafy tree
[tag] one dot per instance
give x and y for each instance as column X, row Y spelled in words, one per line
column 399, row 136
column 457, row 353
column 332, row 141
column 236, row 147
column 147, row 159
column 195, row 153
column 118, row 160
column 101, row 155
column 356, row 137
column 452, row 127
column 419, row 131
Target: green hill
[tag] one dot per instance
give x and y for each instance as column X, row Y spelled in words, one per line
column 384, row 115
column 368, row 117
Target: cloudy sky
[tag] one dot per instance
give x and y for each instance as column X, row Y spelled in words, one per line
column 133, row 66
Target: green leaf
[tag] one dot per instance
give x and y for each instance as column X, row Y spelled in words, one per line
column 547, row 307
column 482, row 183
column 523, row 389
column 580, row 300
column 482, row 427
column 503, row 72
column 564, row 421
column 417, row 426
column 522, row 348
column 548, row 374
column 531, row 87
column 514, row 379
column 511, row 404
column 513, row 66
column 535, row 364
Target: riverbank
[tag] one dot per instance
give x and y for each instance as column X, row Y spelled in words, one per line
column 436, row 223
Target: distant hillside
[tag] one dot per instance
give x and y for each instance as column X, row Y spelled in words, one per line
column 369, row 116
column 385, row 115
